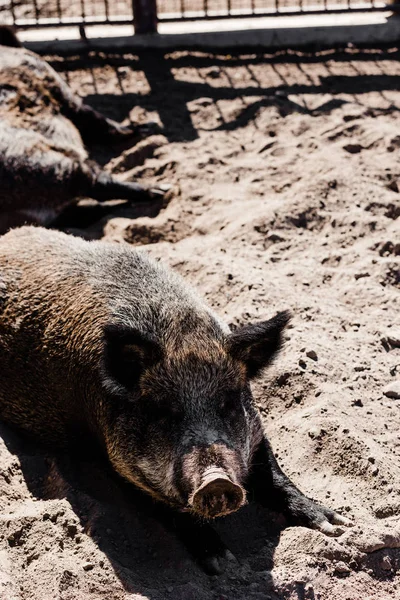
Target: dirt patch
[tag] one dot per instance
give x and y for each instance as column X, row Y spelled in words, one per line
column 286, row 171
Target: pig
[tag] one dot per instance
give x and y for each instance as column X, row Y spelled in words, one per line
column 98, row 341
column 44, row 165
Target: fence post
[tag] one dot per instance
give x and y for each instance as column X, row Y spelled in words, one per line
column 145, row 16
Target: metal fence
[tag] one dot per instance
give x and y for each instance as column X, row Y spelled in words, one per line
column 145, row 13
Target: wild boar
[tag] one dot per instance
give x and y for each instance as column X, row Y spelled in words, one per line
column 44, row 165
column 98, row 339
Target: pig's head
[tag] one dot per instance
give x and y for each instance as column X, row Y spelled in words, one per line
column 181, row 424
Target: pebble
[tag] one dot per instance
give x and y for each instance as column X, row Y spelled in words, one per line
column 341, row 567
column 392, row 338
column 357, row 403
column 353, row 148
column 88, row 567
column 394, row 185
column 361, row 275
column 312, row 354
column 314, row 433
column 392, row 390
column 275, row 238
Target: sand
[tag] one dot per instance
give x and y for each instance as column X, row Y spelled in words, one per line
column 286, row 181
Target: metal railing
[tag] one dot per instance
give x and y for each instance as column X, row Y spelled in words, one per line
column 145, row 14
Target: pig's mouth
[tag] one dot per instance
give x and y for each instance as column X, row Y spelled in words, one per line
column 217, row 495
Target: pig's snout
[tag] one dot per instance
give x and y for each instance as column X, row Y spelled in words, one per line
column 212, row 475
column 217, row 495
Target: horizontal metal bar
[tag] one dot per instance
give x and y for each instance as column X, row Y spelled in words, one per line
column 70, row 22
column 200, row 16
column 282, row 12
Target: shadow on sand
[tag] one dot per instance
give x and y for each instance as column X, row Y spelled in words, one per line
column 169, row 95
column 175, row 80
column 143, row 549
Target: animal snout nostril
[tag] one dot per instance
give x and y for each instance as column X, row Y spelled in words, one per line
column 217, row 496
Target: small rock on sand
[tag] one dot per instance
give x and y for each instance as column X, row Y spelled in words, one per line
column 341, row 567
column 312, row 354
column 392, row 338
column 353, row 148
column 392, row 390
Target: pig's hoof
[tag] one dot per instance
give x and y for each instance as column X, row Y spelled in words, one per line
column 116, row 130
column 216, row 565
column 123, row 131
column 161, row 193
column 134, row 130
column 334, row 524
column 303, row 511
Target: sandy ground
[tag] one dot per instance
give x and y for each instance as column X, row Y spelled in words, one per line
column 286, row 195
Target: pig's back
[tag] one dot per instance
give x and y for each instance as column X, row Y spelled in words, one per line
column 57, row 293
column 115, row 280
column 33, row 96
column 116, row 276
column 29, row 84
column 40, row 148
column 50, row 333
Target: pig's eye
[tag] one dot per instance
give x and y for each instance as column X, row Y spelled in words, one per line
column 159, row 409
column 168, row 410
column 231, row 401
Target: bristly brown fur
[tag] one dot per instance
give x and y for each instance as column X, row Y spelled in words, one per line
column 97, row 339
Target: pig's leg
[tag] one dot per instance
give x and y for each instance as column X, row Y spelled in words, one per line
column 273, row 489
column 91, row 182
column 106, row 187
column 95, row 126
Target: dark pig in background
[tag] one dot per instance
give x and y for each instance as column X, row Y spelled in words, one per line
column 97, row 339
column 44, row 165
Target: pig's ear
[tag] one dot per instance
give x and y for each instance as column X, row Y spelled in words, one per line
column 127, row 353
column 257, row 344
